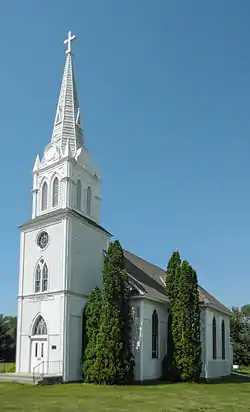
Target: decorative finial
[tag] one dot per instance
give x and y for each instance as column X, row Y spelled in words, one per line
column 69, row 40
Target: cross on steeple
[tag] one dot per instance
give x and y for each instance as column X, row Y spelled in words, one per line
column 69, row 40
column 67, row 126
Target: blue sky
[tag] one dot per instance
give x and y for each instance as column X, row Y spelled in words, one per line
column 164, row 88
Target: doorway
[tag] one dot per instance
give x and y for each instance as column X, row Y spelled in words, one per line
column 39, row 347
column 38, row 355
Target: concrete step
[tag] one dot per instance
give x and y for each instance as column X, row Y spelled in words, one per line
column 16, row 377
column 28, row 378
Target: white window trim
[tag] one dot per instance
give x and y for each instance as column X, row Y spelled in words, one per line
column 41, row 265
column 58, row 192
column 41, row 197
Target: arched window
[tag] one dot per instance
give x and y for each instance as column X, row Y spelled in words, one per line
column 55, row 192
column 40, row 327
column 41, row 277
column 223, row 346
column 78, row 194
column 44, row 196
column 214, row 339
column 89, row 201
column 154, row 335
column 45, row 278
column 38, row 279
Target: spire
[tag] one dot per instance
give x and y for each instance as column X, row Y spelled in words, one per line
column 67, row 126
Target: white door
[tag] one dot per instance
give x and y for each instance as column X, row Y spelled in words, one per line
column 38, row 356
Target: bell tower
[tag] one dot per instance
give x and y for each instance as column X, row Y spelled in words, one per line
column 61, row 250
column 64, row 177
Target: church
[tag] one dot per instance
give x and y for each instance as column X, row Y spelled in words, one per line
column 62, row 249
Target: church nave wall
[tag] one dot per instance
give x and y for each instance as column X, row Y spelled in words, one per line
column 216, row 367
column 152, row 366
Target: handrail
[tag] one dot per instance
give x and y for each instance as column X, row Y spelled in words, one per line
column 41, row 375
column 47, row 370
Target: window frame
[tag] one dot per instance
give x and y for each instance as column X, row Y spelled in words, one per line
column 214, row 338
column 79, row 194
column 39, row 326
column 38, row 278
column 55, row 192
column 89, row 200
column 44, row 196
column 155, row 335
column 41, row 277
column 45, row 276
column 223, row 340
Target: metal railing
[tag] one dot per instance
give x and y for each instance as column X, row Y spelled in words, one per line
column 46, row 369
column 38, row 374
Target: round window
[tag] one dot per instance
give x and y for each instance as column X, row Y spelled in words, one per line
column 42, row 240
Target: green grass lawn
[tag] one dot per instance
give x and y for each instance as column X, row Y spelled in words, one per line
column 224, row 396
column 245, row 370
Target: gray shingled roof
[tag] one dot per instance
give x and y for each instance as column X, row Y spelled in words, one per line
column 150, row 280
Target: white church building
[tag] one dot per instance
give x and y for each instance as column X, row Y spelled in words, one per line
column 61, row 258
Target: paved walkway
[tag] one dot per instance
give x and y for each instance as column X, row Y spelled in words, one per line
column 17, row 377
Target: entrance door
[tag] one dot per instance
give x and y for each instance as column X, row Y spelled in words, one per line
column 38, row 356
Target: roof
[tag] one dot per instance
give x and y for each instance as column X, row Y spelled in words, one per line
column 149, row 280
column 60, row 214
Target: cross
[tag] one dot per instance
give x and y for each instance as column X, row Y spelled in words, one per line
column 69, row 40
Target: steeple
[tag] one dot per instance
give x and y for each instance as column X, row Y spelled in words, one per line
column 65, row 176
column 67, row 126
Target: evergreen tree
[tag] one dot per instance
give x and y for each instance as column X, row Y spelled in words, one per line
column 240, row 336
column 172, row 276
column 114, row 361
column 187, row 325
column 245, row 309
column 194, row 326
column 171, row 281
column 182, row 290
column 92, row 313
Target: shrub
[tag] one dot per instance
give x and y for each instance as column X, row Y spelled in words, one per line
column 12, row 368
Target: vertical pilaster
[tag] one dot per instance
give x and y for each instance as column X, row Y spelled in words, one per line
column 34, row 202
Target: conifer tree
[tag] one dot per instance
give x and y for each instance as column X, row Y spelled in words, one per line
column 194, row 326
column 185, row 311
column 172, row 275
column 92, row 313
column 114, row 361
